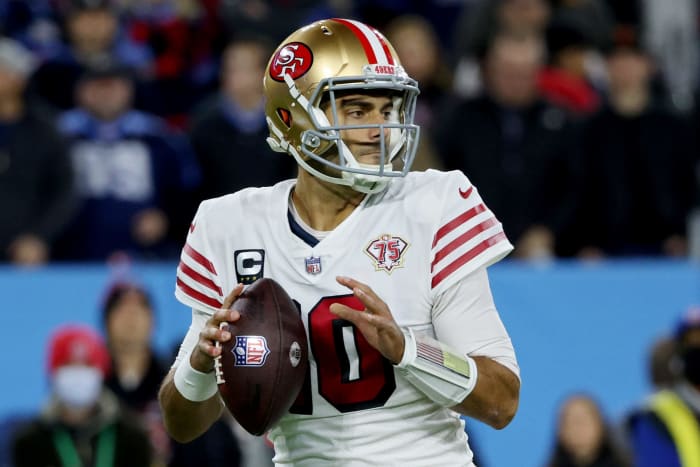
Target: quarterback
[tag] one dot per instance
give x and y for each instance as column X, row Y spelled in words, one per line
column 388, row 267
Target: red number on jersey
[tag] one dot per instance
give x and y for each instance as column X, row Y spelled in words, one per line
column 352, row 375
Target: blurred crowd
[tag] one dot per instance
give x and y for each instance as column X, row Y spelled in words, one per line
column 102, row 406
column 663, row 429
column 576, row 119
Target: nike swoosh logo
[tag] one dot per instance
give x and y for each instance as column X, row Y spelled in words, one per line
column 465, row 194
column 192, row 227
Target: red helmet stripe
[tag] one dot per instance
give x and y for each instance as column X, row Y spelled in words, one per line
column 390, row 59
column 387, row 52
column 375, row 46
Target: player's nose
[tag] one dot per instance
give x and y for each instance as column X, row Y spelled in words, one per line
column 379, row 130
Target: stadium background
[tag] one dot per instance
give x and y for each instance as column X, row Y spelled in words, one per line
column 575, row 327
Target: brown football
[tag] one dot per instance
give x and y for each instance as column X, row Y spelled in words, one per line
column 262, row 368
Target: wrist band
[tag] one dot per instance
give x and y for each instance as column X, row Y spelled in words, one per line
column 194, row 385
column 439, row 372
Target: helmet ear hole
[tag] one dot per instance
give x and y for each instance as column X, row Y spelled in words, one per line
column 286, row 116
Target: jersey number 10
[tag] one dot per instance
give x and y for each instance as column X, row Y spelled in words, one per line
column 352, row 375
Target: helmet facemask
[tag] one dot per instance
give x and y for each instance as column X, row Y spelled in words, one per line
column 323, row 142
column 314, row 67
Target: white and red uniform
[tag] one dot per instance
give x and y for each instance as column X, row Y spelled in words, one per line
column 422, row 245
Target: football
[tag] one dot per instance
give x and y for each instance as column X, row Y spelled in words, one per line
column 262, row 367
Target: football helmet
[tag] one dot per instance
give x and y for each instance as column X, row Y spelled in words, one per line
column 312, row 66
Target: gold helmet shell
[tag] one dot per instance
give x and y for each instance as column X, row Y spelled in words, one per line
column 312, row 65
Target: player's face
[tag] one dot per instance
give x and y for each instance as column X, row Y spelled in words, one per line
column 363, row 109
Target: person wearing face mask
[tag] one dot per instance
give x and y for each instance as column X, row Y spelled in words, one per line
column 82, row 424
column 665, row 430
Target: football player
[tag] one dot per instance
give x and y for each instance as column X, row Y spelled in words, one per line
column 388, row 268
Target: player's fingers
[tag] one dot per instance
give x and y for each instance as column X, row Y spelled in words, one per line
column 210, row 337
column 223, row 315
column 232, row 296
column 215, row 334
column 351, row 283
column 367, row 296
column 357, row 317
column 345, row 312
column 373, row 303
column 365, row 291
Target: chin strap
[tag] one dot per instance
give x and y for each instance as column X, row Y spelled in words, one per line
column 439, row 372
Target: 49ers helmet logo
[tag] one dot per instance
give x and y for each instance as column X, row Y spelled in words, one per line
column 293, row 59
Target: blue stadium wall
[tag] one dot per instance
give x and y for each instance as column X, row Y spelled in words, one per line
column 576, row 327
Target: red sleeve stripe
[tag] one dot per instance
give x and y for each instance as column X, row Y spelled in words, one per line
column 457, row 221
column 199, row 296
column 199, row 278
column 466, row 257
column 462, row 239
column 199, row 258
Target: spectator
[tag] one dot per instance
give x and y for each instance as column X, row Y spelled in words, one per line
column 640, row 157
column 31, row 23
column 479, row 24
column 93, row 36
column 184, row 38
column 82, row 423
column 664, row 430
column 669, row 32
column 671, row 35
column 269, row 18
column 583, row 437
column 662, row 363
column 566, row 81
column 36, row 183
column 477, row 27
column 135, row 176
column 229, row 134
column 129, row 323
column 422, row 57
column 594, row 16
column 516, row 147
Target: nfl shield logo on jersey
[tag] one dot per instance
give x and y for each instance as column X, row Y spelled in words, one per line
column 313, row 265
column 250, row 351
column 387, row 252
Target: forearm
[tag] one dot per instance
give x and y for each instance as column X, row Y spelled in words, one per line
column 479, row 387
column 186, row 420
column 494, row 399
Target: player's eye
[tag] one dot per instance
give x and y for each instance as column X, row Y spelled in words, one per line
column 356, row 113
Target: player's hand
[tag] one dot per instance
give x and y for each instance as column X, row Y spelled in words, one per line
column 376, row 323
column 203, row 355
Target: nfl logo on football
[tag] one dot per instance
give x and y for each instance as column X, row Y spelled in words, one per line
column 313, row 265
column 250, row 351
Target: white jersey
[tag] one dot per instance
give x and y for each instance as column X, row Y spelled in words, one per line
column 410, row 244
